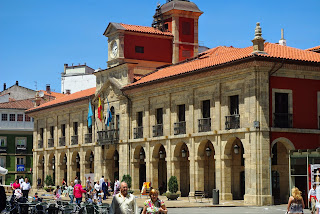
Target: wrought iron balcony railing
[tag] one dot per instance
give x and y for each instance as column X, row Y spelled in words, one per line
column 88, row 138
column 138, row 132
column 74, row 140
column 21, row 149
column 62, row 141
column 282, row 120
column 157, row 130
column 40, row 144
column 50, row 142
column 204, row 124
column 179, row 128
column 232, row 122
column 108, row 137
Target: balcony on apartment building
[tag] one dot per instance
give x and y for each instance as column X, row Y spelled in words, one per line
column 282, row 120
column 50, row 142
column 232, row 122
column 62, row 141
column 40, row 144
column 88, row 138
column 108, row 136
column 204, row 124
column 179, row 128
column 157, row 130
column 138, row 132
column 74, row 140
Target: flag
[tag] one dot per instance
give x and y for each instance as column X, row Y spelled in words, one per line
column 90, row 114
column 100, row 114
column 108, row 115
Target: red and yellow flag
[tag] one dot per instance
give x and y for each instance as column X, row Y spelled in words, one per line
column 100, row 114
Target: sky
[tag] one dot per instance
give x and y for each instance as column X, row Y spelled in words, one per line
column 37, row 37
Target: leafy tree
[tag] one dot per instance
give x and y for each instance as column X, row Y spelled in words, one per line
column 48, row 181
column 173, row 184
column 127, row 179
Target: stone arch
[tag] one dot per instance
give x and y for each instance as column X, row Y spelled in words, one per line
column 182, row 167
column 178, row 149
column 159, row 178
column 139, row 166
column 285, row 141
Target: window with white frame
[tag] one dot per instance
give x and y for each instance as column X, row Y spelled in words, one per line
column 3, row 141
column 4, row 117
column 3, row 161
column 20, row 160
column 21, row 142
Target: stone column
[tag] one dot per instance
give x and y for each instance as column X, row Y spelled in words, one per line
column 98, row 162
column 176, row 170
column 199, row 175
column 108, row 172
column 226, row 177
column 82, row 165
column 135, row 176
column 154, row 173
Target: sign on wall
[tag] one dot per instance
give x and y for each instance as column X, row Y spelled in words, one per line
column 20, row 168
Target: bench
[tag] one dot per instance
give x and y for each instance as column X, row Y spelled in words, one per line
column 197, row 194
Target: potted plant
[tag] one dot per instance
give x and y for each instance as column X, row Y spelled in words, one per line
column 49, row 182
column 173, row 188
column 128, row 180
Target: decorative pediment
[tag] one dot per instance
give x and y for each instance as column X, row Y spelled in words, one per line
column 113, row 27
column 111, row 88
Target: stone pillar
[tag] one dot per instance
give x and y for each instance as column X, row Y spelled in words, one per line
column 199, row 175
column 108, row 172
column 69, row 167
column 226, row 177
column 82, row 166
column 176, row 170
column 154, row 173
column 135, row 176
column 98, row 162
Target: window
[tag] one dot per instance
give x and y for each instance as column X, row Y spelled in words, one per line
column 166, row 26
column 12, row 117
column 234, row 105
column 182, row 113
column 63, row 130
column 20, row 117
column 21, row 142
column 51, row 132
column 4, row 117
column 274, row 154
column 3, row 162
column 139, row 49
column 41, row 133
column 27, row 118
column 139, row 119
column 3, row 141
column 206, row 109
column 20, row 161
column 75, row 128
column 282, row 118
column 159, row 116
column 186, row 28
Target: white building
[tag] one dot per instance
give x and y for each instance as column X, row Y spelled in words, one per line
column 77, row 78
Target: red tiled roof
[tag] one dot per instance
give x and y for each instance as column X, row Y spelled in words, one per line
column 314, row 48
column 19, row 104
column 53, row 94
column 65, row 99
column 143, row 29
column 221, row 55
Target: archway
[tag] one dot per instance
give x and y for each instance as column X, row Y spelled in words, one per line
column 41, row 177
column 142, row 167
column 89, row 162
column 159, row 168
column 183, row 168
column 51, row 167
column 111, row 163
column 62, row 166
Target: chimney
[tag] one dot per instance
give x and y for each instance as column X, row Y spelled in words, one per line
column 282, row 41
column 48, row 88
column 4, row 86
column 17, row 82
column 68, row 91
column 258, row 41
column 65, row 68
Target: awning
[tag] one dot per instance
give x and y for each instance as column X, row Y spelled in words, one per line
column 3, row 171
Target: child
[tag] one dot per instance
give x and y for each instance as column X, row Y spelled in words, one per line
column 57, row 194
column 35, row 197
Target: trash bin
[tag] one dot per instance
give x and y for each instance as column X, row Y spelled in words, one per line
column 215, row 196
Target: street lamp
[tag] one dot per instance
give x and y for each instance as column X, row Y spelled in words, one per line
column 53, row 162
column 208, row 151
column 183, row 153
column 91, row 158
column 161, row 154
column 115, row 156
column 236, row 149
column 65, row 159
column 77, row 159
column 141, row 155
column 42, row 160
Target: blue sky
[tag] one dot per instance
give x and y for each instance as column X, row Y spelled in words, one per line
column 39, row 36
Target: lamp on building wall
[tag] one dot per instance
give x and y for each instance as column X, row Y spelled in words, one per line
column 53, row 162
column 208, row 151
column 236, row 149
column 161, row 154
column 141, row 155
column 77, row 159
column 65, row 159
column 91, row 158
column 42, row 160
column 115, row 156
column 183, row 153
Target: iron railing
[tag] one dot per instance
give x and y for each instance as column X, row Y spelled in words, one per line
column 108, row 137
column 62, row 141
column 88, row 138
column 179, row 128
column 40, row 144
column 282, row 120
column 74, row 140
column 21, row 149
column 50, row 142
column 157, row 130
column 138, row 132
column 232, row 122
column 3, row 149
column 204, row 124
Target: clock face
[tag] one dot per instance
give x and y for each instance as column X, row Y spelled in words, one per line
column 114, row 50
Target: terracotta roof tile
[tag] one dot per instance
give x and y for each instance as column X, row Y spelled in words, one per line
column 314, row 48
column 53, row 94
column 143, row 29
column 19, row 104
column 221, row 55
column 65, row 99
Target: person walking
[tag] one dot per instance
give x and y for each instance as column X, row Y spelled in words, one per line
column 124, row 202
column 105, row 189
column 295, row 203
column 154, row 205
column 15, row 185
column 312, row 197
column 88, row 184
column 116, row 187
column 21, row 180
column 25, row 187
column 101, row 181
column 77, row 192
column 70, row 192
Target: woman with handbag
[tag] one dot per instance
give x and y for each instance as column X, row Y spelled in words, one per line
column 295, row 203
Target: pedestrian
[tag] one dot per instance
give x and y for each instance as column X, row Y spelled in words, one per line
column 57, row 193
column 25, row 187
column 76, row 180
column 70, row 192
column 21, row 180
column 97, row 187
column 88, row 184
column 15, row 185
column 124, row 202
column 77, row 192
column 312, row 197
column 101, row 181
column 105, row 189
column 295, row 203
column 116, row 187
column 318, row 208
column 154, row 205
column 3, row 198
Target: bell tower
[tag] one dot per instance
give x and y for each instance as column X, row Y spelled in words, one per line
column 180, row 17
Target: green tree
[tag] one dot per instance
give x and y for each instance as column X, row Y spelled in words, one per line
column 48, row 181
column 127, row 179
column 173, row 184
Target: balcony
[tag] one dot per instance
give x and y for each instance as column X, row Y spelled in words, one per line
column 282, row 120
column 138, row 132
column 40, row 144
column 74, row 140
column 204, row 124
column 3, row 149
column 62, row 141
column 21, row 149
column 50, row 142
column 88, row 138
column 179, row 128
column 108, row 137
column 157, row 130
column 232, row 122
